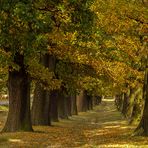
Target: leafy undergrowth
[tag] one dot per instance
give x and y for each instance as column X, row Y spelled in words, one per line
column 100, row 128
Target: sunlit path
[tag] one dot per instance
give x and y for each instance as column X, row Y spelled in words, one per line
column 102, row 127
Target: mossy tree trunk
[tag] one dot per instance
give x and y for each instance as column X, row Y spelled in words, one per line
column 131, row 103
column 142, row 128
column 136, row 105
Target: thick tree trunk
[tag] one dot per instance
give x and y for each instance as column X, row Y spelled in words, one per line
column 131, row 103
column 19, row 99
column 41, row 104
column 120, row 99
column 125, row 104
column 89, row 103
column 74, row 105
column 99, row 99
column 69, row 105
column 54, row 94
column 142, row 128
column 82, row 103
column 54, row 105
column 40, row 107
column 96, row 100
column 135, row 106
column 62, row 105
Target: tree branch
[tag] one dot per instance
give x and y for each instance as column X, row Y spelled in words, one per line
column 137, row 20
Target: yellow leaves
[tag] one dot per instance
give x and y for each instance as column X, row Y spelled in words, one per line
column 129, row 45
column 39, row 73
column 4, row 53
column 63, row 17
column 109, row 43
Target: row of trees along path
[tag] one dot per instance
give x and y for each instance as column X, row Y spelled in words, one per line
column 57, row 50
column 101, row 127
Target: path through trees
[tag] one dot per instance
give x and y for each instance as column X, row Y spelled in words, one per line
column 102, row 127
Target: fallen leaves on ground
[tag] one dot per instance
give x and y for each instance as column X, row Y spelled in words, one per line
column 103, row 127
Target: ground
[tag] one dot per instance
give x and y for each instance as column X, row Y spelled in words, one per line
column 103, row 127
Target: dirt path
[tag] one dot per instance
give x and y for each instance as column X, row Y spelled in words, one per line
column 100, row 128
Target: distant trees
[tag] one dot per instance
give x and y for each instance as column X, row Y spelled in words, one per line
column 72, row 52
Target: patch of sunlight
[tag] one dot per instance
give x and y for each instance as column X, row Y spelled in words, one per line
column 114, row 126
column 54, row 146
column 121, row 146
column 124, row 127
column 115, row 122
column 95, row 133
column 109, row 100
column 94, row 123
column 15, row 140
column 98, row 134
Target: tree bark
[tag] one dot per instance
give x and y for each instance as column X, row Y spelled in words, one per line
column 142, row 128
column 135, row 106
column 131, row 103
column 74, row 105
column 82, row 103
column 89, row 102
column 41, row 104
column 125, row 104
column 99, row 99
column 62, row 105
column 69, row 105
column 40, row 107
column 19, row 98
column 54, row 105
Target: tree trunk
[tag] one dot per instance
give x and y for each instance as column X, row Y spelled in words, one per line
column 131, row 103
column 125, row 104
column 99, row 99
column 62, row 105
column 94, row 100
column 135, row 106
column 89, row 103
column 142, row 128
column 54, row 105
column 74, row 105
column 82, row 102
column 19, row 99
column 41, row 104
column 69, row 105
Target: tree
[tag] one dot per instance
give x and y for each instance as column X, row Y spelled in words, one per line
column 23, row 34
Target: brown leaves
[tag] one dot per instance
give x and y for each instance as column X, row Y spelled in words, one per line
column 102, row 127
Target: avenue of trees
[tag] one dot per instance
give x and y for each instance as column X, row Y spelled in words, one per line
column 67, row 54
